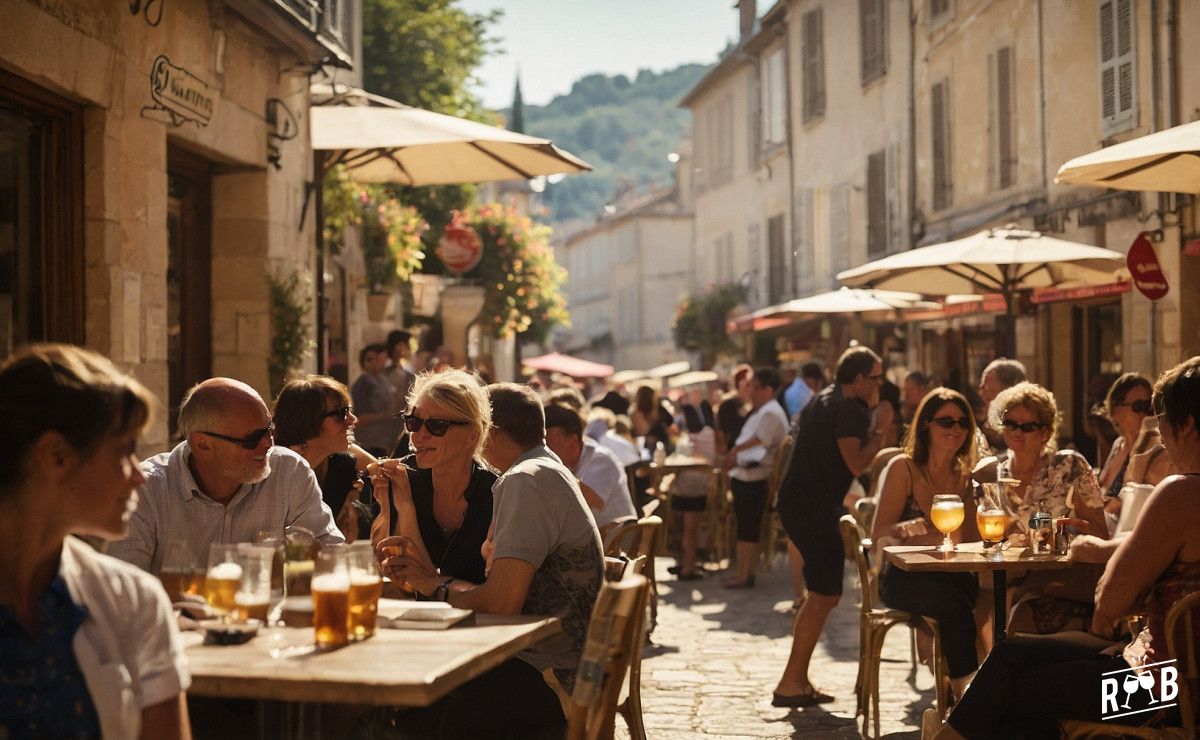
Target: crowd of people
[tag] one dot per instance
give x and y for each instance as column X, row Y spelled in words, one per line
column 495, row 497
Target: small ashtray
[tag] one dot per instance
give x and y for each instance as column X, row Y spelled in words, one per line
column 220, row 632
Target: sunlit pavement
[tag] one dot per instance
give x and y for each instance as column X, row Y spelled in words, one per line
column 718, row 653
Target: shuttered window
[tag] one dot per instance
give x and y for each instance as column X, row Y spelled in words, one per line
column 813, row 65
column 877, row 204
column 802, row 242
column 776, row 261
column 872, row 24
column 1002, row 123
column 839, row 232
column 774, row 99
column 943, row 187
column 1118, row 78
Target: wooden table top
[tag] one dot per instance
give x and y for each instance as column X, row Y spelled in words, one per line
column 969, row 558
column 396, row 667
column 682, row 462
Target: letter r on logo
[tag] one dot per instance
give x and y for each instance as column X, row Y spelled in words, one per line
column 1108, row 694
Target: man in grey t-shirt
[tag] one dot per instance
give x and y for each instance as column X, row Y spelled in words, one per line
column 544, row 558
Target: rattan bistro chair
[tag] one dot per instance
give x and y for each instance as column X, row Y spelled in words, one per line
column 873, row 627
column 772, row 533
column 613, row 641
column 639, row 539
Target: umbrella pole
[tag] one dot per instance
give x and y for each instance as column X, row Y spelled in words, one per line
column 319, row 239
column 1009, row 324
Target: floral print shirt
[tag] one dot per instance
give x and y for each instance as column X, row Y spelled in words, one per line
column 1060, row 474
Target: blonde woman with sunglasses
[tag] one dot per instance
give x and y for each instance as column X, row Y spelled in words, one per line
column 436, row 504
column 314, row 418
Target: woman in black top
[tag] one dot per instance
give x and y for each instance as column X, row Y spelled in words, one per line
column 313, row 418
column 438, row 501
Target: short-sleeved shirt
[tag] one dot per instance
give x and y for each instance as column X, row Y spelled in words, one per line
column 541, row 518
column 797, row 396
column 375, row 394
column 770, row 425
column 171, row 507
column 817, row 478
column 600, row 470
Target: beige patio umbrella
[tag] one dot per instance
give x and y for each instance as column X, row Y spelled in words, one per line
column 385, row 141
column 841, row 301
column 1007, row 261
column 1165, row 161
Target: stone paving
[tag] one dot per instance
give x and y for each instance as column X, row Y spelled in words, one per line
column 717, row 654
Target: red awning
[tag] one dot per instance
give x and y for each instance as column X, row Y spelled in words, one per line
column 1054, row 295
column 567, row 365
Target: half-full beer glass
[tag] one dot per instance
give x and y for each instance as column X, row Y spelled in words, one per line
column 223, row 577
column 253, row 597
column 331, row 598
column 366, row 586
column 947, row 515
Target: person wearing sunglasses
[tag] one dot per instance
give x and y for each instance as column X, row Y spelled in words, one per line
column 314, row 418
column 1128, row 407
column 225, row 482
column 436, row 503
column 939, row 455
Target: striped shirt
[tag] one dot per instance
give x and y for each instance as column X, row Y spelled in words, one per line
column 172, row 508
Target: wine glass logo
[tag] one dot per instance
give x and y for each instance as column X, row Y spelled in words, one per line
column 1134, row 683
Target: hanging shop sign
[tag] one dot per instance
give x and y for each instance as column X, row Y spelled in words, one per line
column 1144, row 268
column 460, row 248
column 180, row 94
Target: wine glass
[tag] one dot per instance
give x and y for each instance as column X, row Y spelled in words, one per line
column 992, row 517
column 947, row 514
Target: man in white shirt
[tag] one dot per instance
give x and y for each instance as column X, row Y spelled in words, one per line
column 749, row 463
column 601, row 476
column 225, row 482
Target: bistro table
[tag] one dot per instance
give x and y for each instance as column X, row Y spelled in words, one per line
column 396, row 667
column 970, row 558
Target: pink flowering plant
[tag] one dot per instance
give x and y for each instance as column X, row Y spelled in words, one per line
column 392, row 247
column 521, row 279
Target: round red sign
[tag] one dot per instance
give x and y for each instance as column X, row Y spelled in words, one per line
column 1144, row 268
column 460, row 248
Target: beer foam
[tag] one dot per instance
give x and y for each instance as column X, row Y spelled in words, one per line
column 225, row 572
column 364, row 579
column 948, row 505
column 331, row 582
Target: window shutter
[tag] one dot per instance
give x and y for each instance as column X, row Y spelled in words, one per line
column 814, row 65
column 1118, row 78
column 940, row 130
column 1003, row 150
column 839, row 231
column 877, row 228
column 802, row 242
column 895, row 219
column 756, row 94
column 776, row 264
column 872, row 38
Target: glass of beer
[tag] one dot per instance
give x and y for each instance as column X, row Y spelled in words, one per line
column 223, row 578
column 947, row 515
column 253, row 597
column 299, row 546
column 992, row 517
column 179, row 571
column 331, row 598
column 366, row 586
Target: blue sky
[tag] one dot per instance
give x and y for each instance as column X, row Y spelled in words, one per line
column 555, row 42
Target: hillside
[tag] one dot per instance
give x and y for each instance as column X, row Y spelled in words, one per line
column 624, row 128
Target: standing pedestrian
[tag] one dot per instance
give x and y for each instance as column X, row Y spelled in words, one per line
column 834, row 444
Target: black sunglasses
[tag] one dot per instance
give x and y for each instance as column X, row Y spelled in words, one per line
column 436, row 427
column 340, row 413
column 1026, row 427
column 949, row 422
column 250, row 441
column 1140, row 406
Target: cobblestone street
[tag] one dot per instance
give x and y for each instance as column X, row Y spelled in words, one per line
column 718, row 653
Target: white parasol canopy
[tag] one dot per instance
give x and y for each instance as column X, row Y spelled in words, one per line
column 669, row 369
column 1165, row 161
column 390, row 142
column 694, row 377
column 841, row 301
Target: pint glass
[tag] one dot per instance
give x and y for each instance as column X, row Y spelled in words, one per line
column 366, row 586
column 331, row 598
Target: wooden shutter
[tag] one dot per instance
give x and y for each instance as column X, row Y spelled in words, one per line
column 839, row 231
column 943, row 191
column 776, row 264
column 1003, row 146
column 802, row 242
column 872, row 39
column 814, row 65
column 877, row 227
column 1118, row 78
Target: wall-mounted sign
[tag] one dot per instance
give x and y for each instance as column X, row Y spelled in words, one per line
column 460, row 248
column 180, row 94
column 1144, row 268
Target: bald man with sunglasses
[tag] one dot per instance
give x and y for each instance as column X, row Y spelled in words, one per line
column 225, row 482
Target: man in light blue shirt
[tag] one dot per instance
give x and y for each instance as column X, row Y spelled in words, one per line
column 810, row 380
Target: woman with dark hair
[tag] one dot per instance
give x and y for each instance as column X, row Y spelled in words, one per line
column 1028, row 684
column 689, row 491
column 439, row 497
column 314, row 418
column 89, row 646
column 938, row 457
column 1128, row 407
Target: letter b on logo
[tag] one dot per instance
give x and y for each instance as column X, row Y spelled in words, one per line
column 1168, row 680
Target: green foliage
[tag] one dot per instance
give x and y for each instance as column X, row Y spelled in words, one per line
column 290, row 338
column 624, row 128
column 700, row 322
column 521, row 279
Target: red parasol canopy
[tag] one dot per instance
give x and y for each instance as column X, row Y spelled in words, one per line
column 567, row 365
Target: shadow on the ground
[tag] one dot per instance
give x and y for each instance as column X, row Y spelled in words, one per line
column 655, row 649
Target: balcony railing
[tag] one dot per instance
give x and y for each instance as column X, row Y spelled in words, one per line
column 320, row 29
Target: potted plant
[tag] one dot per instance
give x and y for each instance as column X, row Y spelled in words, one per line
column 391, row 248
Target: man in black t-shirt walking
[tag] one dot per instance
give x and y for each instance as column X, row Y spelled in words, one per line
column 834, row 444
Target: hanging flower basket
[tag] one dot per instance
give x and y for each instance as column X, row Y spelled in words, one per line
column 378, row 305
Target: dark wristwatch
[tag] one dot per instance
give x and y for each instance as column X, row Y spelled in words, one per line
column 443, row 590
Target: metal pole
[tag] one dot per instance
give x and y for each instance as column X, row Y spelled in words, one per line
column 319, row 240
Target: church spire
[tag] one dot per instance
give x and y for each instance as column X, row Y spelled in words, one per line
column 516, row 118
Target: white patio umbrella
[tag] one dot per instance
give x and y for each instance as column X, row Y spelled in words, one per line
column 1007, row 261
column 669, row 369
column 1165, row 161
column 386, row 141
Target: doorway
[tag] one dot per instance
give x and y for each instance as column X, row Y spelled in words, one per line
column 189, row 274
